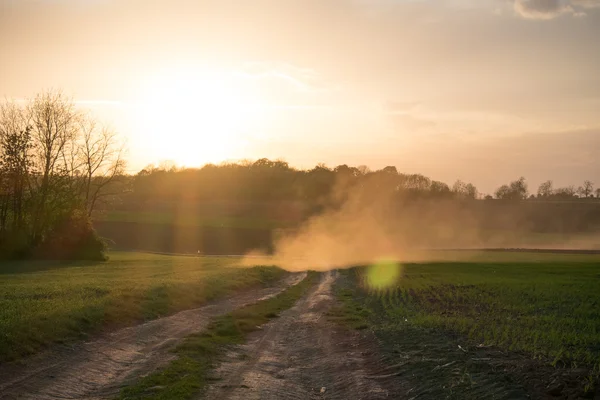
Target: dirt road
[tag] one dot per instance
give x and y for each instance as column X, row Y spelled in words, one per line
column 302, row 355
column 97, row 369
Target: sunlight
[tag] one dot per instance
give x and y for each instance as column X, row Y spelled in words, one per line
column 194, row 118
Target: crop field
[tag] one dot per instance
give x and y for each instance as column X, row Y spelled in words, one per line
column 45, row 302
column 508, row 310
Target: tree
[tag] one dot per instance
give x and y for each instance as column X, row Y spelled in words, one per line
column 417, row 183
column 390, row 169
column 567, row 192
column 598, row 193
column 55, row 123
column 101, row 160
column 471, row 191
column 363, row 169
column 439, row 188
column 586, row 190
column 15, row 166
column 345, row 170
column 545, row 189
column 516, row 190
column 55, row 164
column 464, row 190
column 458, row 187
column 503, row 192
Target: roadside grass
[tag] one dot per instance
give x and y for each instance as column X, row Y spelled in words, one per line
column 189, row 373
column 547, row 311
column 51, row 302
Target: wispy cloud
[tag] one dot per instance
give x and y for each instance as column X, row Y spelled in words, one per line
column 586, row 3
column 301, row 79
column 99, row 102
column 550, row 9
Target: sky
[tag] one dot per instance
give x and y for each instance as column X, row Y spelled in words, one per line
column 480, row 90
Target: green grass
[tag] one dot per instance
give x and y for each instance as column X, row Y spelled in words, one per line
column 192, row 219
column 189, row 372
column 547, row 306
column 47, row 302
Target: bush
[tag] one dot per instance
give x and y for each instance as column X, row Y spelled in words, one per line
column 73, row 238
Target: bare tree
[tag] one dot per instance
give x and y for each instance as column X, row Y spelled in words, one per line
column 102, row 160
column 458, row 187
column 545, row 189
column 586, row 190
column 363, row 169
column 464, row 190
column 55, row 124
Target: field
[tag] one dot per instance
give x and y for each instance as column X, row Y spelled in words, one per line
column 456, row 324
column 503, row 310
column 46, row 302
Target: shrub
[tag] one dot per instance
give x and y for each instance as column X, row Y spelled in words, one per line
column 73, row 238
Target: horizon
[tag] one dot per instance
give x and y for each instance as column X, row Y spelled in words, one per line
column 481, row 91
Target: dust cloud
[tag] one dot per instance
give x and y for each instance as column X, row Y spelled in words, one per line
column 366, row 226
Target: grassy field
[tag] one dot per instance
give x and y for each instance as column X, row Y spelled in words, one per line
column 46, row 302
column 544, row 307
column 547, row 308
column 188, row 373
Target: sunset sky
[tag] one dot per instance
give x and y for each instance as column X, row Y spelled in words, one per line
column 481, row 90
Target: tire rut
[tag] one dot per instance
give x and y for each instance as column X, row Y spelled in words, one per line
column 302, row 355
column 98, row 369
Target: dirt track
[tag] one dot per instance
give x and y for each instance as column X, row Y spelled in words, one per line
column 97, row 369
column 302, row 355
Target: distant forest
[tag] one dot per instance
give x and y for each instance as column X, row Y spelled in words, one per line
column 267, row 180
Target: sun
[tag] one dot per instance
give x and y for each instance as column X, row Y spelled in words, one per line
column 194, row 117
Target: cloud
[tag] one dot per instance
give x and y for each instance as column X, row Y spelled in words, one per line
column 542, row 9
column 550, row 9
column 301, row 79
column 407, row 116
column 586, row 3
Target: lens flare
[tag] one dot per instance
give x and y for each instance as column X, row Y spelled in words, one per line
column 383, row 274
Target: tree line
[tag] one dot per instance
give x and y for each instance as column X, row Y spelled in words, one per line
column 57, row 163
column 268, row 180
column 518, row 190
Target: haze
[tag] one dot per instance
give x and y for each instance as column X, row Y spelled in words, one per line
column 433, row 87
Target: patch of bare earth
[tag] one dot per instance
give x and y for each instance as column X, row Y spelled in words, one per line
column 99, row 368
column 303, row 355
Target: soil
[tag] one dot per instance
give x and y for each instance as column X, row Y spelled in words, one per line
column 303, row 355
column 99, row 368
